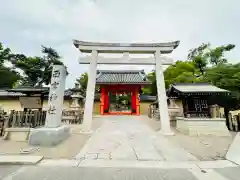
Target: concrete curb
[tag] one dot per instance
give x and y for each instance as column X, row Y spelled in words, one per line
column 157, row 164
column 101, row 163
column 19, row 160
column 234, row 149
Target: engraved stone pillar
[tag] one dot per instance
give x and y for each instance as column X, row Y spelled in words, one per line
column 53, row 132
column 56, row 95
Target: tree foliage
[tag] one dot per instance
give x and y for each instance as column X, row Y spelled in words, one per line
column 37, row 70
column 5, row 54
column 8, row 76
column 204, row 64
column 83, row 80
column 226, row 76
column 199, row 57
column 216, row 56
column 83, row 83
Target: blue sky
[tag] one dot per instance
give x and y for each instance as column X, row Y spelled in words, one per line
column 28, row 24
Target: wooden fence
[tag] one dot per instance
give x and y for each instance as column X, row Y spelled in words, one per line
column 233, row 122
column 153, row 112
column 28, row 118
column 34, row 119
column 3, row 118
column 72, row 116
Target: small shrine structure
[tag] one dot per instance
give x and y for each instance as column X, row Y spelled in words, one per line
column 117, row 84
column 200, row 113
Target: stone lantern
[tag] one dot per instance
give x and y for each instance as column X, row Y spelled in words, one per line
column 76, row 96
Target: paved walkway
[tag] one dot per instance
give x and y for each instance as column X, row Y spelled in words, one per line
column 60, row 171
column 129, row 138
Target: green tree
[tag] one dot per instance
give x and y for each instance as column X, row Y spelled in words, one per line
column 181, row 72
column 5, row 54
column 199, row 57
column 8, row 75
column 32, row 67
column 83, row 80
column 152, row 88
column 50, row 57
column 226, row 76
column 37, row 70
column 216, row 55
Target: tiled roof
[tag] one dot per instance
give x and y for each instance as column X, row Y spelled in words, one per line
column 4, row 93
column 78, row 43
column 121, row 77
column 29, row 88
column 197, row 88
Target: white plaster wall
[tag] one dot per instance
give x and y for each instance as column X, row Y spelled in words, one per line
column 14, row 104
column 66, row 104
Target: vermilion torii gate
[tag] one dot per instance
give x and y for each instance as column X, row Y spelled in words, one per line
column 158, row 60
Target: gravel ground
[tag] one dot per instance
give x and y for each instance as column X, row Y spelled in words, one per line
column 203, row 147
column 67, row 149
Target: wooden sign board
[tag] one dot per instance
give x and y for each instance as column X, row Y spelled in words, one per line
column 30, row 102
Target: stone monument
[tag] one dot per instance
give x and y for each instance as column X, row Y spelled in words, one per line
column 53, row 132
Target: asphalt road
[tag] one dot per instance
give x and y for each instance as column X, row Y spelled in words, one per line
column 91, row 173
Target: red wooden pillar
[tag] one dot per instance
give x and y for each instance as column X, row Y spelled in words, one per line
column 102, row 100
column 134, row 101
column 106, row 100
column 137, row 103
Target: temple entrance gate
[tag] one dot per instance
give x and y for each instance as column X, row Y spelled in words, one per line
column 120, row 91
column 158, row 60
column 119, row 103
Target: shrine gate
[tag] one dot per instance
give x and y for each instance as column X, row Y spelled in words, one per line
column 155, row 49
column 117, row 84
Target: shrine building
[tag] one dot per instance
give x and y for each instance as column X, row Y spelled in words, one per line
column 120, row 91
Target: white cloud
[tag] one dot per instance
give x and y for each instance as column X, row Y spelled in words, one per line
column 27, row 24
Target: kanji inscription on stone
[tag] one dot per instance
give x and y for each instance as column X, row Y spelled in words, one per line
column 56, row 74
column 52, row 110
column 55, row 85
column 55, row 97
